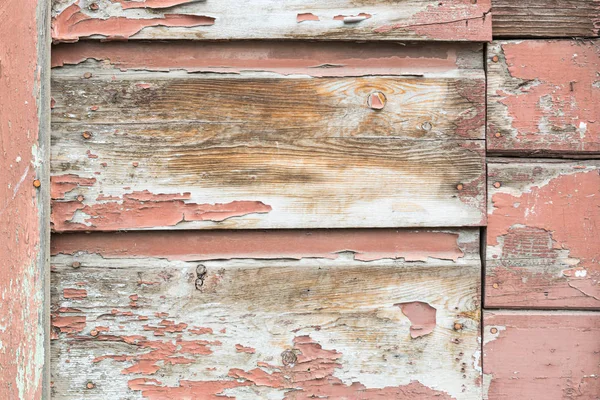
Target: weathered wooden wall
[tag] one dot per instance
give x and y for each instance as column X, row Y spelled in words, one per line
column 194, row 141
column 24, row 199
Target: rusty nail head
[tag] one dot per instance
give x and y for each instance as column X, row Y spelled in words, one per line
column 87, row 75
column 498, row 134
column 495, row 286
column 497, row 185
column 37, row 183
column 458, row 326
column 90, row 385
column 86, row 135
column 94, row 332
column 494, row 331
column 76, row 264
column 495, row 59
column 460, row 186
column 377, row 100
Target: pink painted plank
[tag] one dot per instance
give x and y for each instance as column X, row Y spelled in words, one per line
column 24, row 199
column 451, row 20
column 543, row 228
column 541, row 355
column 544, row 97
column 366, row 244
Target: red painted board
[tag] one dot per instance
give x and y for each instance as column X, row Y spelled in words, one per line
column 24, row 199
column 544, row 97
column 543, row 249
column 541, row 355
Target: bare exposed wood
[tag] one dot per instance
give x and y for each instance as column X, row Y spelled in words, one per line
column 24, row 199
column 139, row 150
column 450, row 20
column 133, row 327
column 542, row 245
column 545, row 18
column 541, row 355
column 544, row 97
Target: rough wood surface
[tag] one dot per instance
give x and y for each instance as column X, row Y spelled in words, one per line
column 542, row 239
column 452, row 20
column 546, row 18
column 156, row 327
column 544, row 97
column 24, row 209
column 541, row 355
column 142, row 150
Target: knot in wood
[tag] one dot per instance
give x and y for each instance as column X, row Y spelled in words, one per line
column 377, row 100
column 288, row 357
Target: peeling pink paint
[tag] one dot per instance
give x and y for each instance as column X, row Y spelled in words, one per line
column 244, row 349
column 537, row 355
column 69, row 324
column 72, row 24
column 551, row 218
column 560, row 110
column 146, row 210
column 448, row 20
column 311, row 376
column 349, row 59
column 421, row 316
column 76, row 294
column 368, row 245
column 63, row 184
column 306, row 17
column 127, row 4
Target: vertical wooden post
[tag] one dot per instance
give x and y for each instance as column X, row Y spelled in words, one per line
column 24, row 199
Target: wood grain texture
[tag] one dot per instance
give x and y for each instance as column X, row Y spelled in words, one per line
column 274, row 329
column 546, row 18
column 541, row 355
column 542, row 246
column 24, row 199
column 452, row 20
column 143, row 150
column 544, row 97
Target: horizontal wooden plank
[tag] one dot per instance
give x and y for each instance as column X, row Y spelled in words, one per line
column 318, row 59
column 337, row 328
column 542, row 243
column 545, row 18
column 450, row 20
column 541, row 355
column 544, row 97
column 154, row 150
column 366, row 244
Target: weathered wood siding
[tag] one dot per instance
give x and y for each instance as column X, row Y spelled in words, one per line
column 541, row 355
column 138, row 323
column 144, row 149
column 456, row 20
column 544, row 97
column 543, row 249
column 545, row 18
column 24, row 199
